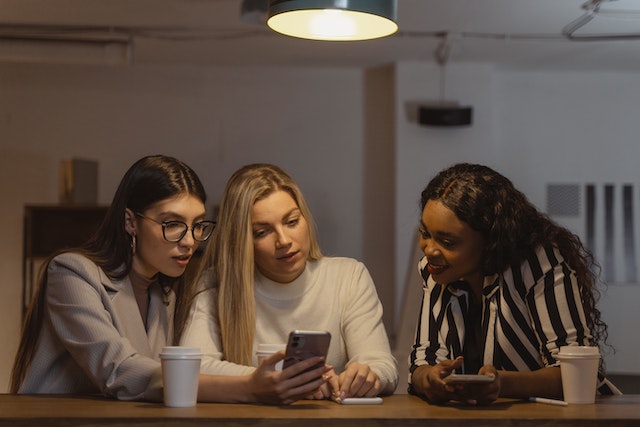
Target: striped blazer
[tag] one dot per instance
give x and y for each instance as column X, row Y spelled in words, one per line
column 528, row 313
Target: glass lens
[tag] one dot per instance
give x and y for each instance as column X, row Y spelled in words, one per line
column 202, row 230
column 174, row 230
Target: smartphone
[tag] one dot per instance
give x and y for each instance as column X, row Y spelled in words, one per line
column 467, row 378
column 302, row 345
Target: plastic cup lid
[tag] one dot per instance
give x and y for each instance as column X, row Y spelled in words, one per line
column 180, row 352
column 270, row 348
column 575, row 351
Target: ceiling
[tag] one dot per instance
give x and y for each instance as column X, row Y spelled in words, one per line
column 508, row 33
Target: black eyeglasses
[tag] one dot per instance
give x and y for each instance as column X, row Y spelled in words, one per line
column 174, row 231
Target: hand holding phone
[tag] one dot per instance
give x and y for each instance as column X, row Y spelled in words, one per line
column 303, row 345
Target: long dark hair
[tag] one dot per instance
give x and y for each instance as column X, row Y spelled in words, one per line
column 513, row 228
column 149, row 180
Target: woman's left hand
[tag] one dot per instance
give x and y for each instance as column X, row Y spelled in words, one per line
column 326, row 390
column 482, row 393
column 358, row 380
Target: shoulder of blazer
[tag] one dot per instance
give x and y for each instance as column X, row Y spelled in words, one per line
column 85, row 268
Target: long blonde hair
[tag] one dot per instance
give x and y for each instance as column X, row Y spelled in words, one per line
column 229, row 259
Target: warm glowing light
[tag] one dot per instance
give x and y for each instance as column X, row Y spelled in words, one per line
column 333, row 24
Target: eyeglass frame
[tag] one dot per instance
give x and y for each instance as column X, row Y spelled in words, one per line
column 164, row 224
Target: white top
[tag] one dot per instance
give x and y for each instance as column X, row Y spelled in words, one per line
column 332, row 294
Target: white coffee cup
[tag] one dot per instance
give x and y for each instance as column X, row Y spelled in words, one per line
column 180, row 373
column 265, row 350
column 579, row 370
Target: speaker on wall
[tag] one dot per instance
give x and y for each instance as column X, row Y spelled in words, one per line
column 443, row 115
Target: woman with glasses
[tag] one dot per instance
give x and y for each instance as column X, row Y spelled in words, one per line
column 103, row 312
column 264, row 275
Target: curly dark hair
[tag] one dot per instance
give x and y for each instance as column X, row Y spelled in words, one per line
column 513, row 228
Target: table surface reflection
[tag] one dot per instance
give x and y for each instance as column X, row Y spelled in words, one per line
column 396, row 410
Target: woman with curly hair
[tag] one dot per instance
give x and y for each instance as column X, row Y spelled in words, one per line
column 504, row 288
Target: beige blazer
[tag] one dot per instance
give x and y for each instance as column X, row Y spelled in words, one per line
column 93, row 339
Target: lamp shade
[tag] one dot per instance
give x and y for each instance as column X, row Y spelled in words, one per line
column 333, row 20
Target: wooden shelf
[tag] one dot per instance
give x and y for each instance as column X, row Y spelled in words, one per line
column 49, row 228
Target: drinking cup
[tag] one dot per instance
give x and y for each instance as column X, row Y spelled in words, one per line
column 579, row 370
column 180, row 373
column 265, row 350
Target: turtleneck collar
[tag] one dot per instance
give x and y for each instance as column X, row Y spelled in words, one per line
column 284, row 291
column 140, row 283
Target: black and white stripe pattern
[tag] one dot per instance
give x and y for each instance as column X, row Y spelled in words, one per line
column 529, row 312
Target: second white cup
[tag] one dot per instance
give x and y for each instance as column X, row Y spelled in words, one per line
column 265, row 350
column 180, row 373
column 579, row 369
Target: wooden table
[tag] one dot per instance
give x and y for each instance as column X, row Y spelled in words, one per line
column 398, row 410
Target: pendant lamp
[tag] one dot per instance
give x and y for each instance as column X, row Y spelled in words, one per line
column 333, row 20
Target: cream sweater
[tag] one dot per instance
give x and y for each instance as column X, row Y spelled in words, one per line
column 332, row 294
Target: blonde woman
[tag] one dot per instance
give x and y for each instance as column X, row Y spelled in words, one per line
column 264, row 275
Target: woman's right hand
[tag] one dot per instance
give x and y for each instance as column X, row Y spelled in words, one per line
column 428, row 381
column 283, row 387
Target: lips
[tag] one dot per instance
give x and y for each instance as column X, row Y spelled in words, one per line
column 287, row 257
column 436, row 269
column 183, row 259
